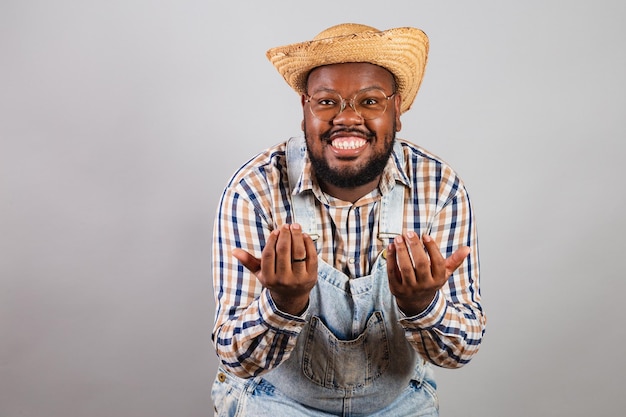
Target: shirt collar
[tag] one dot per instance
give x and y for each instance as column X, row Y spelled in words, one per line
column 392, row 173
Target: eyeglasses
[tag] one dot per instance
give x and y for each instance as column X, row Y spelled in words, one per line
column 368, row 104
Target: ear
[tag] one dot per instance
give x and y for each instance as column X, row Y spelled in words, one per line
column 302, row 101
column 397, row 104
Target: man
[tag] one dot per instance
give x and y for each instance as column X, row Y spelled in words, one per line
column 345, row 262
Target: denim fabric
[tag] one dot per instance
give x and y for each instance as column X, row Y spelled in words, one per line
column 352, row 357
column 256, row 397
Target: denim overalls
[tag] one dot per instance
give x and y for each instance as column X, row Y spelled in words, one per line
column 351, row 358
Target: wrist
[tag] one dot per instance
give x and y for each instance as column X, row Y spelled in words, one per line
column 414, row 307
column 294, row 306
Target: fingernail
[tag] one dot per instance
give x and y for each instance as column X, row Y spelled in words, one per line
column 411, row 234
column 295, row 226
column 426, row 239
column 398, row 239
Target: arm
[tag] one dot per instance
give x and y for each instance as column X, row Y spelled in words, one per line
column 440, row 297
column 256, row 323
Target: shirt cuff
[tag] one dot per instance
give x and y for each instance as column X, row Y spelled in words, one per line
column 278, row 320
column 429, row 318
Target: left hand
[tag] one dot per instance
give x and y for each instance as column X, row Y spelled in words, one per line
column 415, row 282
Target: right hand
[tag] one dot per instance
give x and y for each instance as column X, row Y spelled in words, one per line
column 289, row 282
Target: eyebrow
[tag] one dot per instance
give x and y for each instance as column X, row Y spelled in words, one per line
column 330, row 90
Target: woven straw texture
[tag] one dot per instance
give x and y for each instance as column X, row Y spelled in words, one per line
column 402, row 51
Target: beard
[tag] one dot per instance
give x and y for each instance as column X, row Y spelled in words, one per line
column 358, row 175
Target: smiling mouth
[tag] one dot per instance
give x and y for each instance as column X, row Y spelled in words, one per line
column 348, row 143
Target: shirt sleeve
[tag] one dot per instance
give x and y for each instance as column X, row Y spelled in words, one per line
column 251, row 336
column 449, row 332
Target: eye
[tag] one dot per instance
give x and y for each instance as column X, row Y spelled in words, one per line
column 326, row 102
column 369, row 101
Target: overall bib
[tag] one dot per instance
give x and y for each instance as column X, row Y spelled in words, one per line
column 351, row 358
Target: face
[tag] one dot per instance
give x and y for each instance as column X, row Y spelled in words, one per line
column 348, row 151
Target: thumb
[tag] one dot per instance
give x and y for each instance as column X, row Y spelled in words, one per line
column 456, row 259
column 250, row 262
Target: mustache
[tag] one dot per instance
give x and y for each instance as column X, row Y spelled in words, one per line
column 363, row 132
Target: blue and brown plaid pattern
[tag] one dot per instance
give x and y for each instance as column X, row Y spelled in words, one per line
column 252, row 336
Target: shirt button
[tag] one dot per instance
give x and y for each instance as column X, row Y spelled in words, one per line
column 221, row 377
column 351, row 261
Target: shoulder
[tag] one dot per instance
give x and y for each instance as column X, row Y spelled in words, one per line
column 424, row 167
column 417, row 154
column 265, row 167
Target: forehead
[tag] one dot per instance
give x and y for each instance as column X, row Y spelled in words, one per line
column 349, row 77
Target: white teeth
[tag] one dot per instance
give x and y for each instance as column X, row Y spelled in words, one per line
column 351, row 144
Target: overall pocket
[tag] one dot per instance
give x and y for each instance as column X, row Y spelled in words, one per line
column 225, row 395
column 346, row 364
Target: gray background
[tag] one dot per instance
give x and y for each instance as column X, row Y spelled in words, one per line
column 120, row 122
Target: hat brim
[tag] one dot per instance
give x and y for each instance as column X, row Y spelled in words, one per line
column 402, row 51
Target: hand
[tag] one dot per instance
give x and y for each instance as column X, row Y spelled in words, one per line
column 415, row 282
column 288, row 281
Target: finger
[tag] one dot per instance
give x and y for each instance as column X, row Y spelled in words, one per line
column 311, row 253
column 393, row 273
column 250, row 262
column 437, row 263
column 298, row 249
column 283, row 252
column 421, row 260
column 456, row 259
column 268, row 256
column 403, row 261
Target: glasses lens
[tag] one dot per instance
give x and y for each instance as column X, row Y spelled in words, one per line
column 369, row 104
column 325, row 105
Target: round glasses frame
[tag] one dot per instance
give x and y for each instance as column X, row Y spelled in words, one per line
column 368, row 104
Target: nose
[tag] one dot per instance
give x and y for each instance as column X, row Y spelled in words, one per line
column 348, row 115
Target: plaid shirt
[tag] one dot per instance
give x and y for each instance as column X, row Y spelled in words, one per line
column 252, row 336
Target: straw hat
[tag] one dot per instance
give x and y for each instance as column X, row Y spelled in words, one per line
column 402, row 51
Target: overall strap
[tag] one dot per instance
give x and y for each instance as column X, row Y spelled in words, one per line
column 302, row 204
column 391, row 216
